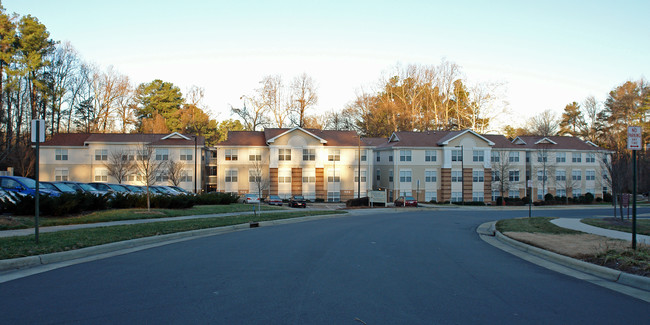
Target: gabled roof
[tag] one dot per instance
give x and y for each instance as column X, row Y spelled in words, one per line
column 545, row 140
column 452, row 136
column 557, row 142
column 271, row 140
column 244, row 138
column 82, row 139
column 175, row 135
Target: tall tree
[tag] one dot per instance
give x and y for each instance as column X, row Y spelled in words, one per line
column 148, row 167
column 158, row 97
column 274, row 97
column 544, row 124
column 253, row 116
column 572, row 120
column 119, row 166
column 625, row 106
column 303, row 97
column 590, row 127
column 7, row 49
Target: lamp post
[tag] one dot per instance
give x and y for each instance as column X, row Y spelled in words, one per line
column 462, row 170
column 359, row 171
column 195, row 163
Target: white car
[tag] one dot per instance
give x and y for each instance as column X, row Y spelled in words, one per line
column 251, row 198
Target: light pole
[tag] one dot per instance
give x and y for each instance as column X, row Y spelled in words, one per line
column 195, row 164
column 462, row 171
column 359, row 171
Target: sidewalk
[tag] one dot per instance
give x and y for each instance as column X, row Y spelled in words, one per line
column 575, row 224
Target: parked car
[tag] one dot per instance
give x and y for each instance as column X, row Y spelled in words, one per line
column 171, row 190
column 251, row 198
column 406, row 201
column 108, row 187
column 61, row 187
column 24, row 186
column 298, row 201
column 181, row 190
column 84, row 188
column 163, row 190
column 274, row 200
column 135, row 189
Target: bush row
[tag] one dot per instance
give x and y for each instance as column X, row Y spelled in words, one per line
column 70, row 204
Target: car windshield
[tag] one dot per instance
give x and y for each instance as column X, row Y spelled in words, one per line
column 298, row 197
column 118, row 188
column 64, row 187
column 87, row 187
column 30, row 183
column 409, row 198
column 48, row 186
column 274, row 197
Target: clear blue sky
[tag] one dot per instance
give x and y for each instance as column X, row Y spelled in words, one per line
column 548, row 53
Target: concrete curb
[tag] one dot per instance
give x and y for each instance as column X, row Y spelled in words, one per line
column 606, row 273
column 37, row 260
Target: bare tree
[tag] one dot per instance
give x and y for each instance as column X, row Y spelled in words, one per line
column 119, row 165
column 591, row 109
column 275, row 99
column 501, row 169
column 107, row 88
column 148, row 167
column 303, row 97
column 253, row 115
column 544, row 124
column 175, row 171
column 547, row 166
column 261, row 180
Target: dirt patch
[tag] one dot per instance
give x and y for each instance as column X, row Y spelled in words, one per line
column 9, row 221
column 578, row 245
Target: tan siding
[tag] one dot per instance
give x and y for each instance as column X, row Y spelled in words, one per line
column 296, row 181
column 273, row 175
column 467, row 184
column 320, row 184
column 445, row 184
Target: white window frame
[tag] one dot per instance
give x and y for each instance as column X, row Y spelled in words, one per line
column 430, row 176
column 430, row 155
column 187, row 155
column 162, row 154
column 478, row 155
column 61, row 174
column 478, row 176
column 405, row 155
column 101, row 154
column 61, row 154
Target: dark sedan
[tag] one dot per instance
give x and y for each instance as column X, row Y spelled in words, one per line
column 406, row 201
column 298, row 201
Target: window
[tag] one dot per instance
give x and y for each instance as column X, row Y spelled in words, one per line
column 513, row 194
column 390, row 175
column 378, row 174
column 542, row 175
column 254, row 176
column 101, row 154
column 390, row 158
column 478, row 176
column 576, row 157
column 495, row 194
column 513, row 156
column 430, row 196
column 363, row 155
column 560, row 157
column 576, row 192
column 405, row 155
column 231, row 176
column 590, row 175
column 162, row 176
column 378, row 157
column 61, row 154
column 540, row 194
column 456, row 155
column 128, row 156
column 231, row 154
column 430, row 155
column 333, row 196
column 430, row 176
column 212, row 170
column 477, row 155
column 284, row 154
column 101, row 175
column 494, row 156
column 356, row 176
column 405, row 176
column 254, row 155
column 496, row 176
column 542, row 156
column 456, row 196
column 334, row 155
column 308, row 154
column 186, row 175
column 591, row 157
column 576, row 175
column 560, row 175
column 186, row 154
column 142, row 155
column 456, row 176
column 163, row 154
column 213, row 154
column 527, row 156
column 590, row 190
column 333, row 176
column 560, row 192
column 477, row 197
column 61, row 174
column 513, row 175
column 309, row 179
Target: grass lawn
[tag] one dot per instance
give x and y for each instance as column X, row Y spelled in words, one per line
column 534, row 225
column 21, row 222
column 642, row 225
column 59, row 241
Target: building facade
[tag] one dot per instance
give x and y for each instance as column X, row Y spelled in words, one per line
column 86, row 157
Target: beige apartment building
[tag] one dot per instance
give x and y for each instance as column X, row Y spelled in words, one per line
column 84, row 157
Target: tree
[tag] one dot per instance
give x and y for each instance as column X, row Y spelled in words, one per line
column 85, row 117
column 175, row 171
column 261, row 181
column 543, row 124
column 274, row 98
column 119, row 166
column 158, row 97
column 547, row 166
column 254, row 115
column 501, row 168
column 572, row 121
column 7, row 46
column 303, row 97
column 591, row 126
column 148, row 167
column 225, row 126
column 627, row 105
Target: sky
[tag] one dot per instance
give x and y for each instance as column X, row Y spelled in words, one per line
column 546, row 54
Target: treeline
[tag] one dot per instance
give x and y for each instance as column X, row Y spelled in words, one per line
column 44, row 79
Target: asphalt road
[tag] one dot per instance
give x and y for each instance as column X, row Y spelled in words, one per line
column 400, row 268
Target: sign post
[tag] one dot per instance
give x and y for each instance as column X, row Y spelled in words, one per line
column 38, row 136
column 634, row 143
column 530, row 198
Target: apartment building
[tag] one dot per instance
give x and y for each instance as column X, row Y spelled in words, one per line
column 85, row 157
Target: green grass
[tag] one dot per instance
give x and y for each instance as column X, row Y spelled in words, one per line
column 642, row 225
column 13, row 247
column 21, row 222
column 534, row 225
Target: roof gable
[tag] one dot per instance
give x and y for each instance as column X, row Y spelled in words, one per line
column 545, row 140
column 452, row 135
column 175, row 135
column 323, row 141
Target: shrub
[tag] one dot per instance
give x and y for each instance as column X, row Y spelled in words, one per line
column 215, row 198
column 588, row 198
column 607, row 197
column 548, row 197
column 364, row 201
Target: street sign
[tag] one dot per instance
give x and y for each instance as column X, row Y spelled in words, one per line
column 634, row 138
column 377, row 196
column 41, row 130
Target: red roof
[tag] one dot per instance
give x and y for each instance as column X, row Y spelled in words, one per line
column 260, row 138
column 561, row 142
column 81, row 139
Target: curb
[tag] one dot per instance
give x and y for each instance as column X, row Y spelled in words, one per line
column 44, row 259
column 606, row 273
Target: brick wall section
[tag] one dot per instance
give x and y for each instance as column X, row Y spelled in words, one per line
column 273, row 175
column 487, row 186
column 296, row 181
column 467, row 184
column 320, row 184
column 445, row 185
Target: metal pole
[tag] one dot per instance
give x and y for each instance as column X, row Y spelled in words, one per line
column 195, row 165
column 634, row 200
column 359, row 171
column 37, row 201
